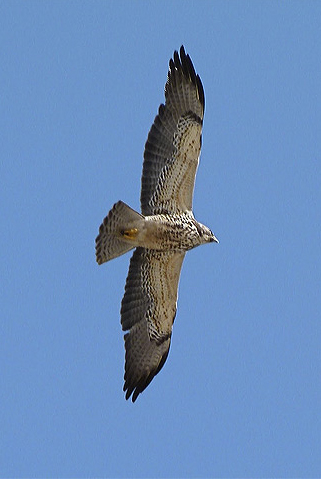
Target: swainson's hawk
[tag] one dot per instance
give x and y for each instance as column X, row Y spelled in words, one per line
column 164, row 231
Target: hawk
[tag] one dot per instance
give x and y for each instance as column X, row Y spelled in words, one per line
column 164, row 231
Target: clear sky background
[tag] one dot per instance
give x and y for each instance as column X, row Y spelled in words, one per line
column 240, row 394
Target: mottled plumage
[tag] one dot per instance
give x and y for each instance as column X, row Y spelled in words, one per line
column 164, row 231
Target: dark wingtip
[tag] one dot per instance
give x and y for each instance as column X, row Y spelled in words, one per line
column 200, row 90
column 182, row 62
column 135, row 388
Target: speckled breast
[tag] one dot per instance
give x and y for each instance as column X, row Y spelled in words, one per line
column 172, row 232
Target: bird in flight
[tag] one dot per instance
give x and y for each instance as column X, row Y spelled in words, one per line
column 164, row 231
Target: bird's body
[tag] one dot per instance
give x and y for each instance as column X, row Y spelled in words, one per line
column 177, row 232
column 164, row 231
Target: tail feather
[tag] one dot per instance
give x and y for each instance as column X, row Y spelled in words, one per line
column 110, row 242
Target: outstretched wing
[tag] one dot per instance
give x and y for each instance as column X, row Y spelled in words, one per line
column 148, row 310
column 174, row 142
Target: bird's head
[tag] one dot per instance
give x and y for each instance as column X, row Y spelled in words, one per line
column 206, row 235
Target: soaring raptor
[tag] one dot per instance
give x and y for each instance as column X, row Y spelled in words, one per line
column 164, row 231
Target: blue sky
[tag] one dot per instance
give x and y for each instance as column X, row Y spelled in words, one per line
column 240, row 393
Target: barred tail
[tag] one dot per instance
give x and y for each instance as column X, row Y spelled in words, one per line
column 117, row 232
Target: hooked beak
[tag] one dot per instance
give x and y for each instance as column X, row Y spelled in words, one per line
column 214, row 239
